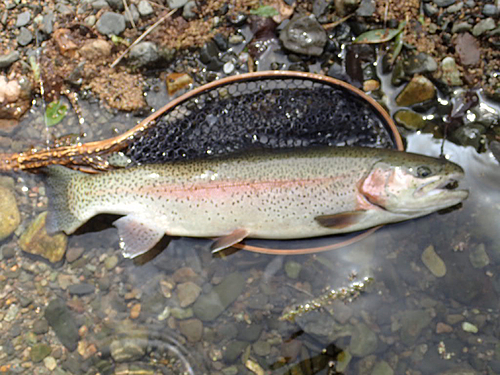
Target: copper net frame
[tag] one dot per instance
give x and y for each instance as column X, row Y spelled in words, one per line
column 90, row 156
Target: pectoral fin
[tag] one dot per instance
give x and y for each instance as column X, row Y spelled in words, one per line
column 229, row 240
column 137, row 235
column 340, row 221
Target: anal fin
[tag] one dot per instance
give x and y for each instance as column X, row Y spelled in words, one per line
column 137, row 235
column 229, row 240
column 341, row 220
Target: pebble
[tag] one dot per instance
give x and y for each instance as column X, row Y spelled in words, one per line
column 74, row 253
column 209, row 306
column 189, row 10
column 479, row 257
column 443, row 328
column 132, row 15
column 81, row 289
column 418, row 90
column 11, row 313
column 292, row 269
column 62, row 322
column 419, row 63
column 443, row 3
column 228, row 67
column 39, row 352
column 116, row 4
column 8, row 59
column 145, row 9
column 483, row 26
column 455, row 8
column 25, row 37
column 23, row 19
column 10, row 217
column 111, row 23
column 363, row 341
column 490, row 10
column 430, row 9
column 99, row 4
column 469, row 327
column 174, row 4
column 451, row 74
column 192, row 329
column 304, row 35
column 261, row 348
column 50, row 363
column 382, row 368
column 460, row 27
column 111, row 262
column 127, row 350
column 467, row 48
column 144, row 54
column 412, row 323
column 409, row 119
column 187, row 293
column 40, row 327
column 433, row 262
column 35, row 240
column 135, row 311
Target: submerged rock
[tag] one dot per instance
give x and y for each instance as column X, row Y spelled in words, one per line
column 418, row 90
column 410, row 120
column 412, row 324
column 433, row 262
column 62, row 322
column 9, row 213
column 363, row 341
column 35, row 240
column 304, row 35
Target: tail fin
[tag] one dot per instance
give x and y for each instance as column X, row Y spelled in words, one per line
column 60, row 217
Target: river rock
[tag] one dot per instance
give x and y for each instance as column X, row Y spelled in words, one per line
column 9, row 213
column 419, row 63
column 40, row 326
column 410, row 120
column 145, row 9
column 144, row 54
column 111, row 24
column 23, row 19
column 443, row 3
column 39, row 352
column 192, row 329
column 292, row 269
column 412, row 323
column 467, row 48
column 433, row 262
column 127, row 349
column 209, row 306
column 363, row 341
column 174, row 4
column 81, row 289
column 382, row 368
column 479, row 257
column 304, row 35
column 36, row 240
column 63, row 323
column 187, row 293
column 25, row 37
column 460, row 370
column 8, row 59
column 490, row 10
column 483, row 26
column 451, row 74
column 418, row 90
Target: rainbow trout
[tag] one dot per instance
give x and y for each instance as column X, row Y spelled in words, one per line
column 273, row 195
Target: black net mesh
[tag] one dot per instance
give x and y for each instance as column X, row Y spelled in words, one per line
column 270, row 112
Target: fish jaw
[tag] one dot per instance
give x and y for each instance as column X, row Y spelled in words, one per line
column 396, row 190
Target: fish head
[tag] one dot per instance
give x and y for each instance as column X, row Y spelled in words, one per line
column 413, row 185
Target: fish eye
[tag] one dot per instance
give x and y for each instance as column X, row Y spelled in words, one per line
column 423, row 171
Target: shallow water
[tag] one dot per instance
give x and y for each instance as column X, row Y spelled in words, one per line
column 181, row 310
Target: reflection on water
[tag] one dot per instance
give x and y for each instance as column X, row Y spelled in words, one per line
column 432, row 308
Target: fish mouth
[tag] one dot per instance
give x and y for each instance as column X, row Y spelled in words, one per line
column 445, row 187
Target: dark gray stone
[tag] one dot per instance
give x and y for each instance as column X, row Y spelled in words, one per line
column 320, row 7
column 366, row 8
column 63, row 323
column 116, row 4
column 111, row 24
column 40, row 327
column 419, row 63
column 23, row 19
column 145, row 9
column 304, row 35
column 460, row 27
column 143, row 54
column 188, row 12
column 490, row 10
column 81, row 289
column 174, row 4
column 430, row 9
column 25, row 37
column 443, row 3
column 47, row 25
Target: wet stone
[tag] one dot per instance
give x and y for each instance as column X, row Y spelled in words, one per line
column 192, row 329
column 418, row 90
column 469, row 327
column 304, row 35
column 234, row 350
column 469, row 135
column 144, row 54
column 412, row 324
column 81, row 289
column 249, row 332
column 50, row 363
column 62, row 322
column 35, row 240
column 111, row 262
column 209, row 306
column 410, row 120
column 292, row 269
column 74, row 253
column 433, row 262
column 25, row 37
column 419, row 63
column 11, row 313
column 461, row 370
column 23, row 19
column 8, row 59
column 483, row 26
column 382, row 368
column 261, row 348
column 127, row 350
column 479, row 257
column 39, row 352
column 111, row 24
column 366, row 8
column 187, row 293
column 363, row 341
column 40, row 327
column 116, row 4
column 10, row 217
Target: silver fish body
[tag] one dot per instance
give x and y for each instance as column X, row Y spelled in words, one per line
column 274, row 195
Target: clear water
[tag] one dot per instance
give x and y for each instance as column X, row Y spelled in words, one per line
column 408, row 320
